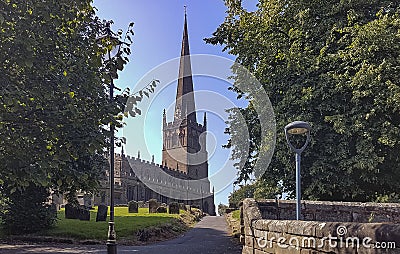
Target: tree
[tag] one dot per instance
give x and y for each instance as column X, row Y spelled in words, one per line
column 27, row 212
column 258, row 190
column 54, row 99
column 245, row 191
column 54, row 103
column 333, row 64
column 222, row 209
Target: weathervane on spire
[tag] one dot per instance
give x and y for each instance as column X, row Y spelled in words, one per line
column 185, row 6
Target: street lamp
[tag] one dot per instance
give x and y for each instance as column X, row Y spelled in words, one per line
column 201, row 190
column 187, row 192
column 113, row 45
column 298, row 128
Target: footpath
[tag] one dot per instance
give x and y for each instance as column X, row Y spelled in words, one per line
column 209, row 236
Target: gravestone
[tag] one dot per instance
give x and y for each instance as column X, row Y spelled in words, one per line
column 87, row 201
column 161, row 209
column 153, row 204
column 102, row 213
column 133, row 207
column 54, row 207
column 84, row 213
column 182, row 206
column 194, row 206
column 71, row 211
column 174, row 208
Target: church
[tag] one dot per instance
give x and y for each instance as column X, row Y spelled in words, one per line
column 182, row 176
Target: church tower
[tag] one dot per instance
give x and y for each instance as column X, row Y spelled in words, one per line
column 184, row 139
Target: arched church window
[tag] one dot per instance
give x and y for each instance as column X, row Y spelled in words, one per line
column 174, row 139
column 182, row 137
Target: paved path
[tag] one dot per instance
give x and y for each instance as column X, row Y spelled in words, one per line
column 209, row 236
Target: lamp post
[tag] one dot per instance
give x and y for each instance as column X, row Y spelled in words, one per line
column 201, row 190
column 187, row 192
column 112, row 44
column 298, row 128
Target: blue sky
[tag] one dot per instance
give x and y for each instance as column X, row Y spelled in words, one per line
column 158, row 33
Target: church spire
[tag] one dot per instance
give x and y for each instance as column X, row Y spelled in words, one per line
column 185, row 105
column 205, row 120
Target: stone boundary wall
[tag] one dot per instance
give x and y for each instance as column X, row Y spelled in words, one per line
column 330, row 211
column 259, row 235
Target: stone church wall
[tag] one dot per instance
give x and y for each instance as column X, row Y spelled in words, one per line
column 141, row 180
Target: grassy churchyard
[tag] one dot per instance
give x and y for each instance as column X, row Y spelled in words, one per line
column 233, row 220
column 236, row 214
column 131, row 228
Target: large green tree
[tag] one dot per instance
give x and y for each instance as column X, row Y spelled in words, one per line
column 55, row 105
column 54, row 100
column 336, row 65
column 55, row 109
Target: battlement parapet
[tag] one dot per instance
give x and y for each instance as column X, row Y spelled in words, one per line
column 172, row 171
column 175, row 124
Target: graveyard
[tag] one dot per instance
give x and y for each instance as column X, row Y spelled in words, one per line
column 140, row 226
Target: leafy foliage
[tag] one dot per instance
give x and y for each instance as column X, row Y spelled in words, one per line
column 55, row 100
column 331, row 63
column 245, row 191
column 27, row 213
column 54, row 103
column 3, row 205
column 257, row 190
column 222, row 209
column 390, row 198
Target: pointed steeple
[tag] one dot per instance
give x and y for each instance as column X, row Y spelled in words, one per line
column 185, row 105
column 184, row 139
column 205, row 120
column 164, row 118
